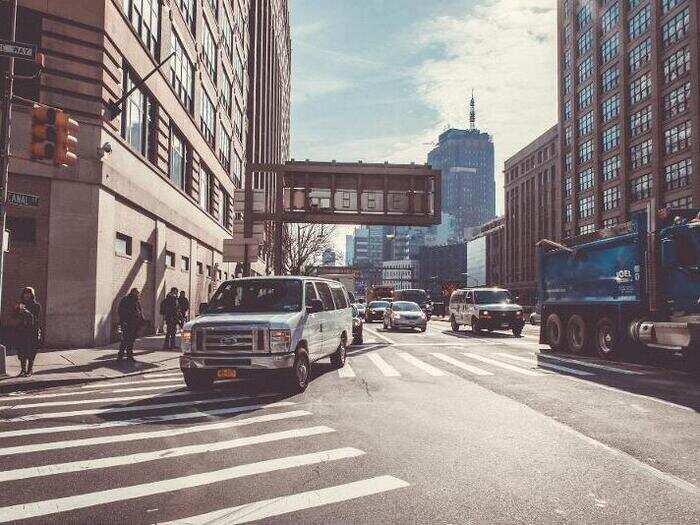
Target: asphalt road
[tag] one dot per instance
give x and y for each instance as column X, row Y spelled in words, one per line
column 417, row 428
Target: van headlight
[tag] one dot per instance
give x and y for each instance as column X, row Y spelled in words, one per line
column 280, row 340
column 186, row 337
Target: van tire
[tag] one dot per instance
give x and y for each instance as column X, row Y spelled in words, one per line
column 453, row 324
column 577, row 334
column 297, row 379
column 476, row 327
column 338, row 358
column 554, row 332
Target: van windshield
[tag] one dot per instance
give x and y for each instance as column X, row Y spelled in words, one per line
column 257, row 296
column 492, row 297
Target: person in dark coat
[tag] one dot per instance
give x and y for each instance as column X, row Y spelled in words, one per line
column 21, row 323
column 130, row 320
column 28, row 300
column 184, row 307
column 170, row 311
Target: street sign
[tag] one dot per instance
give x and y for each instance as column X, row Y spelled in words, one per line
column 17, row 50
column 21, row 199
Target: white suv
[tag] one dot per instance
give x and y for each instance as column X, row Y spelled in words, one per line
column 264, row 324
column 485, row 309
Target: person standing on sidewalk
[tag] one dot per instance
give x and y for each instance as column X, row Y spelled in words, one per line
column 22, row 324
column 130, row 320
column 28, row 300
column 184, row 307
column 170, row 311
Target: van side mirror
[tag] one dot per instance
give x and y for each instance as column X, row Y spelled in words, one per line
column 203, row 308
column 314, row 306
column 669, row 257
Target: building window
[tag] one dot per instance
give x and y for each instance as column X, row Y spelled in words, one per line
column 678, row 137
column 207, row 119
column 676, row 65
column 585, row 151
column 640, row 89
column 677, row 101
column 611, row 108
column 226, row 91
column 586, row 207
column 609, row 49
column 584, row 16
column 640, row 122
column 226, row 210
column 639, row 23
column 178, row 159
column 208, row 270
column 181, row 73
column 567, row 59
column 585, row 69
column 676, row 28
column 611, row 168
column 585, row 229
column 611, row 198
column 610, row 79
column 568, row 136
column 633, row 3
column 611, row 138
column 169, row 259
column 683, row 202
column 567, row 110
column 237, row 169
column 122, row 244
column 568, row 162
column 146, row 252
column 668, row 5
column 139, row 119
column 567, row 83
column 679, row 174
column 610, row 222
column 585, row 96
column 187, row 8
column 200, row 268
column 585, row 42
column 585, row 124
column 185, row 264
column 214, row 7
column 568, row 212
column 144, row 18
column 209, row 51
column 585, row 180
column 610, row 18
column 640, row 188
column 206, row 183
column 640, row 154
column 225, row 149
column 227, row 36
column 640, row 55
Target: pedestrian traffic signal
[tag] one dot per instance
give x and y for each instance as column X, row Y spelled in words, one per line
column 54, row 136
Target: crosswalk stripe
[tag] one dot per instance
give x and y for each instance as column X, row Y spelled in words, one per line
column 550, row 366
column 269, row 508
column 501, row 364
column 459, row 364
column 430, row 370
column 140, row 420
column 121, row 438
column 123, row 383
column 129, row 408
column 346, row 371
column 590, row 365
column 81, row 501
column 162, row 374
column 384, row 367
column 131, row 459
column 92, row 401
column 141, row 389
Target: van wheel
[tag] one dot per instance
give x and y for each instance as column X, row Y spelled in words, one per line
column 576, row 334
column 453, row 324
column 198, row 379
column 298, row 376
column 554, row 332
column 476, row 326
column 338, row 358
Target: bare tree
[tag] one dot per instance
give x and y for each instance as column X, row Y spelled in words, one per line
column 303, row 246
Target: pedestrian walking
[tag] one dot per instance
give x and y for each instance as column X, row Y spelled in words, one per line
column 21, row 322
column 130, row 320
column 170, row 311
column 32, row 336
column 184, row 307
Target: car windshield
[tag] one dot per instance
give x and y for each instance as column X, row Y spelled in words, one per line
column 416, row 296
column 405, row 306
column 378, row 304
column 492, row 297
column 257, row 296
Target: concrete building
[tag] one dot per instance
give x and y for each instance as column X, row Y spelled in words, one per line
column 442, row 267
column 402, row 274
column 154, row 211
column 532, row 210
column 495, row 234
column 466, row 158
column 349, row 250
column 476, row 262
column 628, row 107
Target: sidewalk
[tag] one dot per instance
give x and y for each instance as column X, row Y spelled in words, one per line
column 68, row 367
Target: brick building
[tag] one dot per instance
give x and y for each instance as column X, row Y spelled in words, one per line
column 532, row 211
column 153, row 211
column 628, row 108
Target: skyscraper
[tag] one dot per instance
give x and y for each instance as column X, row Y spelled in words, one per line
column 466, row 158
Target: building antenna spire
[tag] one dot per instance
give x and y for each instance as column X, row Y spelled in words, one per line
column 472, row 113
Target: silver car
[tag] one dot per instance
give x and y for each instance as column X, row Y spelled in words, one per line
column 405, row 314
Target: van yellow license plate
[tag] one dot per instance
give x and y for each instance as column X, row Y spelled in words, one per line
column 226, row 373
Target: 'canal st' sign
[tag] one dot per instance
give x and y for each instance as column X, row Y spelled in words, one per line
column 21, row 199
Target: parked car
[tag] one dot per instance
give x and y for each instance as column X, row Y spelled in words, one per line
column 375, row 311
column 485, row 309
column 266, row 324
column 405, row 314
column 357, row 326
column 360, row 308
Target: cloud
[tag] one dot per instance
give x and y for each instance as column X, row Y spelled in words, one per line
column 307, row 89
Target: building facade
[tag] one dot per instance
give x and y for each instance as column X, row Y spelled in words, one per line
column 402, row 274
column 150, row 200
column 532, row 211
column 442, row 268
column 494, row 233
column 349, row 250
column 628, row 109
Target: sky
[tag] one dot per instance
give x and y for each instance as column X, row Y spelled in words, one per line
column 379, row 80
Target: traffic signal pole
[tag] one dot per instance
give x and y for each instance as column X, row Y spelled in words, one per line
column 6, row 131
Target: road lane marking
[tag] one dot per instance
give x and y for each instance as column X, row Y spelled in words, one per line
column 129, row 408
column 459, row 364
column 591, row 365
column 140, row 389
column 92, row 401
column 430, row 370
column 501, row 364
column 384, row 367
column 364, row 349
column 551, row 366
column 140, row 420
column 346, row 371
column 53, row 506
column 273, row 507
column 124, row 383
column 162, row 374
column 380, row 336
column 122, row 438
column 130, row 459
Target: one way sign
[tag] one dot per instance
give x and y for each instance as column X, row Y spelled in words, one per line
column 17, row 50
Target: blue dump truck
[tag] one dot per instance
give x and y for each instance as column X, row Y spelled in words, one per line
column 634, row 287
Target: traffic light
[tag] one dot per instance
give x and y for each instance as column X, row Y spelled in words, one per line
column 54, row 136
